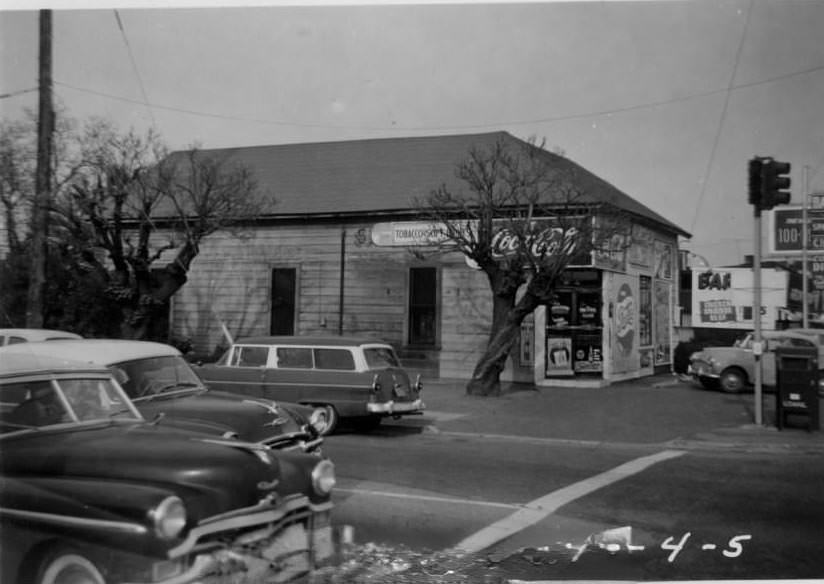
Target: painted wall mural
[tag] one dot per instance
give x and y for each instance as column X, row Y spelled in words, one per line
column 624, row 311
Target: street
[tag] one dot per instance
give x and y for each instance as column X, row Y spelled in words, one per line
column 533, row 510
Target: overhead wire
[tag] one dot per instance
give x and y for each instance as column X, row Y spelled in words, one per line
column 16, row 93
column 717, row 138
column 498, row 124
column 134, row 67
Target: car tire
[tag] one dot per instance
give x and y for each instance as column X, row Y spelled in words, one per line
column 332, row 419
column 68, row 567
column 733, row 381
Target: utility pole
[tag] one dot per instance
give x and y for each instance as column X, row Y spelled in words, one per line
column 42, row 195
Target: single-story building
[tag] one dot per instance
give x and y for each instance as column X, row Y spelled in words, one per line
column 332, row 255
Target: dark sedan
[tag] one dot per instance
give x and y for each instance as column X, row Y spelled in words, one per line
column 91, row 493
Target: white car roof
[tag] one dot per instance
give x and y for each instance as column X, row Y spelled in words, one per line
column 33, row 334
column 96, row 351
column 28, row 363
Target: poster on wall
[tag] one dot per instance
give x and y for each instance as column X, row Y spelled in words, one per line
column 558, row 356
column 526, row 352
column 587, row 353
column 662, row 333
column 624, row 312
column 663, row 260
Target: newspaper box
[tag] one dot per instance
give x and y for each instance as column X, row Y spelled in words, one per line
column 797, row 386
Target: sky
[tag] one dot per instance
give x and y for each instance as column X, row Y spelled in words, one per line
column 666, row 100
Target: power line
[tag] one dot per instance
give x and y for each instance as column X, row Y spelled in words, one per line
column 134, row 66
column 16, row 93
column 590, row 114
column 717, row 138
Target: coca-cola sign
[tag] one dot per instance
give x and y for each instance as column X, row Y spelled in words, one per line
column 547, row 242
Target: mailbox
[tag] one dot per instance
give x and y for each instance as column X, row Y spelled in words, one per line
column 797, row 386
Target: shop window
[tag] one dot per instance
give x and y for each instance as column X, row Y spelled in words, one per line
column 423, row 296
column 645, row 312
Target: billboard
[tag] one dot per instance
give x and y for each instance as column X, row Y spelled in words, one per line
column 723, row 297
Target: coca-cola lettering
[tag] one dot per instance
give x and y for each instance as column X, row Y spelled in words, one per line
column 550, row 241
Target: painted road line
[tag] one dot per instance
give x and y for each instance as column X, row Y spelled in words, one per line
column 541, row 508
column 430, row 498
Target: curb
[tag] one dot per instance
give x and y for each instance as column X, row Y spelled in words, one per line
column 696, row 444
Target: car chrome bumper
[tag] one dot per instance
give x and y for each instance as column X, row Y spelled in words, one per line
column 393, row 407
column 702, row 371
column 266, row 554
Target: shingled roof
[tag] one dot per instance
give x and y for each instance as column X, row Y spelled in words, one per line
column 386, row 175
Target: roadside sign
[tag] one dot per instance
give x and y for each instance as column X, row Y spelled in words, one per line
column 787, row 230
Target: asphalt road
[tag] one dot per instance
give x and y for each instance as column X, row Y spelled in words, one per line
column 533, row 510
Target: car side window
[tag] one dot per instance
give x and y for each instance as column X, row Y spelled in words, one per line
column 250, row 356
column 294, row 358
column 339, row 359
column 15, row 340
column 32, row 404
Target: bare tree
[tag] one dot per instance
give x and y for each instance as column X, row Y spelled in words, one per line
column 136, row 216
column 17, row 159
column 526, row 215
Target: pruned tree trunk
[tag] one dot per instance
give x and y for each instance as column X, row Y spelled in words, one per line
column 507, row 316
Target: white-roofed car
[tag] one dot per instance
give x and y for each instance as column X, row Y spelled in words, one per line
column 91, row 492
column 359, row 380
column 732, row 368
column 13, row 336
column 165, row 388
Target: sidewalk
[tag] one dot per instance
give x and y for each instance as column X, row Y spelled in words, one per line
column 661, row 410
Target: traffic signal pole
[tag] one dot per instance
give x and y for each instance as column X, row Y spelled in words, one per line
column 768, row 181
column 756, row 314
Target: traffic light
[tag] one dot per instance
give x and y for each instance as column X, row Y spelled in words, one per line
column 774, row 181
column 755, row 181
column 767, row 182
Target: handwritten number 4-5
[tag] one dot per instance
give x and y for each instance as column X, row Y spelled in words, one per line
column 734, row 545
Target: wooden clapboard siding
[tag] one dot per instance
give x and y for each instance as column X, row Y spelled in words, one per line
column 232, row 278
column 466, row 308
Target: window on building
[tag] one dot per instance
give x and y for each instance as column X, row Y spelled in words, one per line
column 284, row 301
column 423, row 296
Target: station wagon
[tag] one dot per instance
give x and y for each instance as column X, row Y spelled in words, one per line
column 360, row 380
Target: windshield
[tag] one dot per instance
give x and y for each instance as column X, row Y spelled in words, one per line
column 146, row 377
column 380, row 357
column 45, row 402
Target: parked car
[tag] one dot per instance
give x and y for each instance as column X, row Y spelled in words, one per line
column 164, row 387
column 92, row 493
column 13, row 336
column 353, row 378
column 732, row 368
